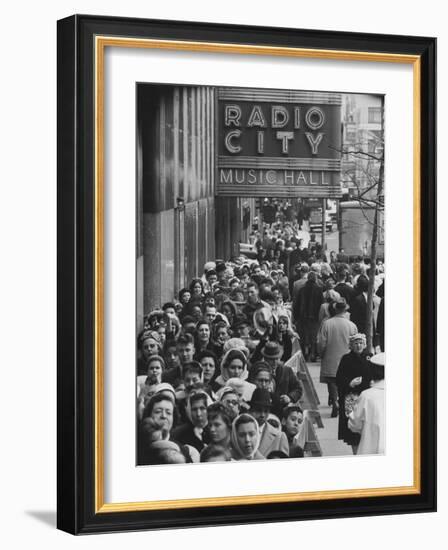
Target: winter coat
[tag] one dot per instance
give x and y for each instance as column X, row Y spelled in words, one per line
column 351, row 366
column 333, row 340
column 272, row 439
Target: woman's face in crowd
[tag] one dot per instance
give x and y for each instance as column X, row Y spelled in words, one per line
column 186, row 297
column 163, row 413
column 218, row 429
column 149, row 348
column 232, row 402
column 221, row 335
column 293, row 422
column 357, row 346
column 204, row 332
column 234, row 285
column 208, row 366
column 199, row 414
column 197, row 289
column 235, row 368
column 247, row 438
column 155, row 371
column 263, row 380
column 282, row 325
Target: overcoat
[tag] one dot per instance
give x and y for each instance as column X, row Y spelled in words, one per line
column 351, row 366
column 333, row 339
column 272, row 439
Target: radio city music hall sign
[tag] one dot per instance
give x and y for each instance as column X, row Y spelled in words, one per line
column 278, row 143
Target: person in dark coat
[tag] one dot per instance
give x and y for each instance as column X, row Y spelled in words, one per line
column 352, row 378
column 380, row 320
column 194, row 432
column 306, row 314
column 343, row 289
column 359, row 304
column 288, row 387
column 262, row 377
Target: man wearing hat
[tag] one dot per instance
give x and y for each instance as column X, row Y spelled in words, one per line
column 272, row 438
column 288, row 387
column 333, row 343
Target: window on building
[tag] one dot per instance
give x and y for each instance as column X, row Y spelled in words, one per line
column 374, row 115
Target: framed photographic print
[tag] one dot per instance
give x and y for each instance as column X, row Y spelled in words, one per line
column 230, row 202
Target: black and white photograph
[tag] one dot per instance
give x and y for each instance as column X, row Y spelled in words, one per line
column 260, row 274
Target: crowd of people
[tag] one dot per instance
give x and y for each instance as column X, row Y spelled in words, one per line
column 215, row 372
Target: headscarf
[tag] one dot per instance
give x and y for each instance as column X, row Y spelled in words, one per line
column 204, row 395
column 287, row 319
column 235, row 343
column 355, row 338
column 165, row 387
column 233, row 353
column 243, row 388
column 150, row 335
column 239, row 455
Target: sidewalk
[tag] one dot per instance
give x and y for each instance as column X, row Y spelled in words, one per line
column 328, row 435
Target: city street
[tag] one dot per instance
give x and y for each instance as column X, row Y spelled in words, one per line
column 328, row 435
column 331, row 240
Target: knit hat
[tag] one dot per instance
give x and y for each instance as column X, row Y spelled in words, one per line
column 357, row 337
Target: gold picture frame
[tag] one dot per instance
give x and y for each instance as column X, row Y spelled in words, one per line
column 80, row 35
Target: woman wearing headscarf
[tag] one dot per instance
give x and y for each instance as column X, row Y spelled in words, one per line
column 229, row 397
column 352, row 378
column 234, row 365
column 245, row 438
column 155, row 367
column 148, row 344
